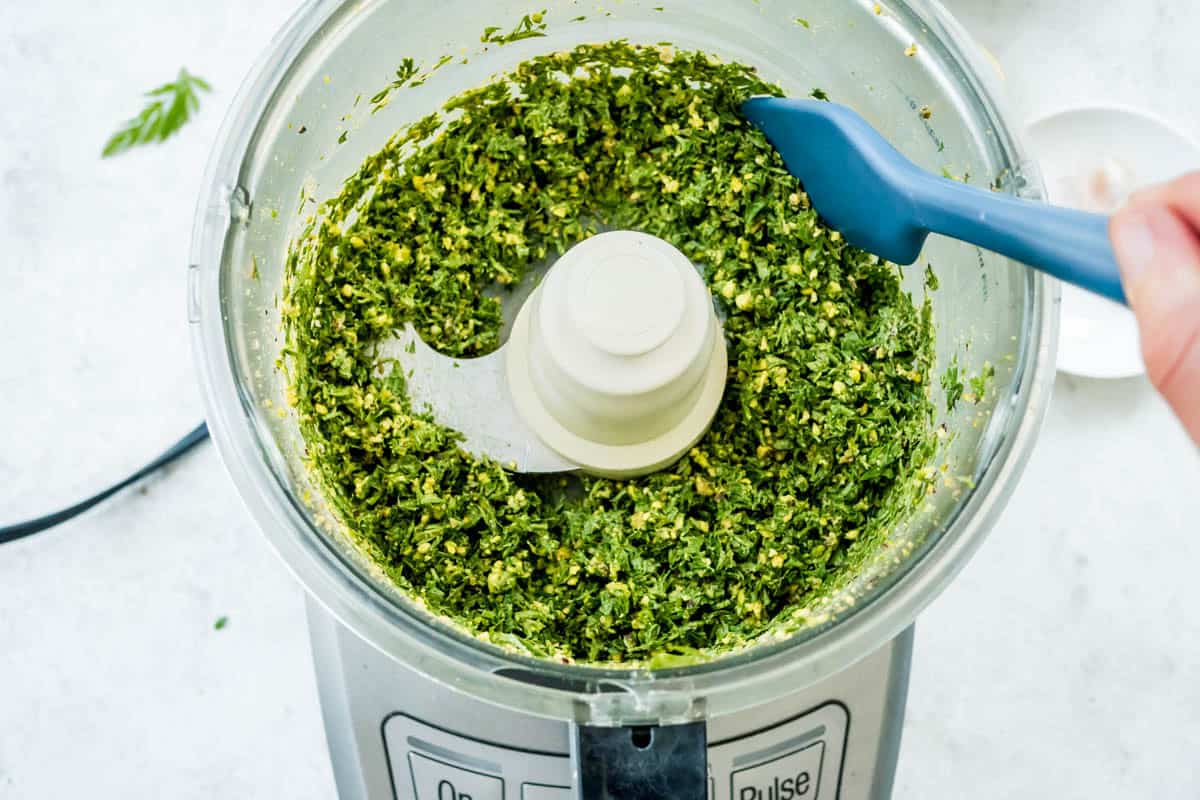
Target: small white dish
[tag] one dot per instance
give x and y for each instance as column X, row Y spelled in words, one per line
column 1092, row 158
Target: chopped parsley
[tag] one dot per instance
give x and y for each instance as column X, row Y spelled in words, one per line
column 952, row 384
column 530, row 26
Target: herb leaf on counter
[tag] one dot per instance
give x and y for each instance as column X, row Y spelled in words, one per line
column 171, row 106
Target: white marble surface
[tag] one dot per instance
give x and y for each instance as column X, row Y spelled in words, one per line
column 1063, row 662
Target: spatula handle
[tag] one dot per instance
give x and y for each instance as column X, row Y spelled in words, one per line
column 1073, row 246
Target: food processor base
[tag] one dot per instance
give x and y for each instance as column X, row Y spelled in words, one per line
column 393, row 733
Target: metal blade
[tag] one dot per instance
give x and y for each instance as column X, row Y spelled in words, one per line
column 471, row 396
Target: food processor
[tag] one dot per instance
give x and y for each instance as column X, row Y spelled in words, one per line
column 415, row 707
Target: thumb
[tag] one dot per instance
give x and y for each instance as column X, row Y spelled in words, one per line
column 1159, row 255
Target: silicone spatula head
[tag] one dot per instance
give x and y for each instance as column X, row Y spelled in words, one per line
column 857, row 181
column 885, row 204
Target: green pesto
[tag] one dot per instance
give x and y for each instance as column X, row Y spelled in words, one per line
column 813, row 456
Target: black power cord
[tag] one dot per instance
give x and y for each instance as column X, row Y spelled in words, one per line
column 10, row 533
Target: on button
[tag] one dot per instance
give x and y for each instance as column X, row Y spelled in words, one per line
column 437, row 780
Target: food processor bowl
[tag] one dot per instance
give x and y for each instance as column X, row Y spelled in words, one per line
column 302, row 123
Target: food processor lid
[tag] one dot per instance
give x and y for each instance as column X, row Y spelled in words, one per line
column 255, row 442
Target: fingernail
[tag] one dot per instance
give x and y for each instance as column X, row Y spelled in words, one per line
column 1133, row 243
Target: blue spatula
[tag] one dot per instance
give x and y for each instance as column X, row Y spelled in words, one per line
column 885, row 204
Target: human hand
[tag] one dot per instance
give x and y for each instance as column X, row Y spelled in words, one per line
column 1156, row 238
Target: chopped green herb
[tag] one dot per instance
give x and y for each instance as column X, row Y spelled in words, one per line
column 407, row 69
column 171, row 106
column 404, row 73
column 802, row 21
column 818, row 94
column 979, row 384
column 530, row 26
column 952, row 384
column 931, row 279
column 220, row 623
column 815, row 453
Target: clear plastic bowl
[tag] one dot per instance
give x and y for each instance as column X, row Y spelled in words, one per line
column 279, row 144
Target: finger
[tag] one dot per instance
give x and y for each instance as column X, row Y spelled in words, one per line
column 1182, row 195
column 1159, row 255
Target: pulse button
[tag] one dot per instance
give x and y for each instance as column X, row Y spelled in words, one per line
column 793, row 776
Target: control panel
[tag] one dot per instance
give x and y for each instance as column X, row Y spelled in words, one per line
column 798, row 759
